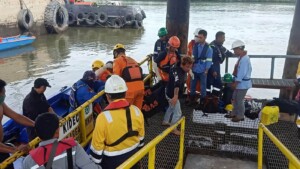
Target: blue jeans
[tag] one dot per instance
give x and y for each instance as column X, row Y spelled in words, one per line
column 173, row 113
column 202, row 77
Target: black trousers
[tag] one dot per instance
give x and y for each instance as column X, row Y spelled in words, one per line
column 115, row 161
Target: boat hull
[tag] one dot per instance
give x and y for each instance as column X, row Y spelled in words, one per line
column 17, row 41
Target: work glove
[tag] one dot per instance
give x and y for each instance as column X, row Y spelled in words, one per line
column 191, row 74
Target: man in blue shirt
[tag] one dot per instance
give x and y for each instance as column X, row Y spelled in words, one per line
column 202, row 54
column 242, row 73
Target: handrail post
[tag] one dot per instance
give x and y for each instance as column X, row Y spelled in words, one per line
column 226, row 64
column 260, row 146
column 82, row 125
column 150, row 71
column 272, row 68
column 181, row 146
column 151, row 160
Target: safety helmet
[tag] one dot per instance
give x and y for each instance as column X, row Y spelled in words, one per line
column 162, row 32
column 97, row 64
column 237, row 43
column 229, row 107
column 115, row 84
column 197, row 31
column 228, row 78
column 119, row 46
column 174, row 42
column 109, row 64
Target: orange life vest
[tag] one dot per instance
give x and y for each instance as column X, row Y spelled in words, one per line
column 132, row 71
column 165, row 65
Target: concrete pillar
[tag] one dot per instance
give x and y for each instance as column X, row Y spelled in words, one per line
column 177, row 21
column 290, row 66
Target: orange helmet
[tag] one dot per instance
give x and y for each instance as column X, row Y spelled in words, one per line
column 174, row 42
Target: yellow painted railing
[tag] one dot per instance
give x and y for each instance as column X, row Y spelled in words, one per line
column 84, row 138
column 294, row 162
column 150, row 149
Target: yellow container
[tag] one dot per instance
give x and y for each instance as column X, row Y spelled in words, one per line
column 269, row 115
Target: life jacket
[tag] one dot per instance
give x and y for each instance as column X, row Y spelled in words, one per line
column 130, row 133
column 104, row 75
column 202, row 57
column 168, row 61
column 73, row 95
column 190, row 47
column 132, row 72
column 41, row 154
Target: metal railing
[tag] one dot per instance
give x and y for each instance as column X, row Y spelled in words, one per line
column 150, row 148
column 294, row 162
column 85, row 137
column 272, row 57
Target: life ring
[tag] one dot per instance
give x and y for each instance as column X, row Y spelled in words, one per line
column 25, row 19
column 143, row 14
column 56, row 17
column 80, row 17
column 91, row 19
column 129, row 18
column 102, row 18
column 117, row 23
column 71, row 19
column 138, row 17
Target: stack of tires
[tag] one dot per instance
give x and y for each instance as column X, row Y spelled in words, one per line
column 56, row 17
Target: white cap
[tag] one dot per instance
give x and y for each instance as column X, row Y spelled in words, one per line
column 237, row 43
column 115, row 84
column 197, row 31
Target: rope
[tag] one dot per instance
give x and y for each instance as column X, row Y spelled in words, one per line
column 23, row 3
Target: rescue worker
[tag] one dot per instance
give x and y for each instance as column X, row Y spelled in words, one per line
column 102, row 71
column 242, row 81
column 84, row 89
column 190, row 73
column 174, row 90
column 160, row 46
column 119, row 130
column 220, row 53
column 202, row 55
column 20, row 119
column 64, row 154
column 36, row 103
column 132, row 73
column 168, row 58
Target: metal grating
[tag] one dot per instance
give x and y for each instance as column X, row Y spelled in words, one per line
column 214, row 133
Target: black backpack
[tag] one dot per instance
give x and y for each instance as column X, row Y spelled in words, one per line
column 210, row 104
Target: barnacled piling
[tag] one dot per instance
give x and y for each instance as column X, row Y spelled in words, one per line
column 177, row 21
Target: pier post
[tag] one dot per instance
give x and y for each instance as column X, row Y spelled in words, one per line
column 290, row 66
column 177, row 21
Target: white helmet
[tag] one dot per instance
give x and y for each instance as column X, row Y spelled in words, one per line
column 197, row 31
column 115, row 84
column 237, row 43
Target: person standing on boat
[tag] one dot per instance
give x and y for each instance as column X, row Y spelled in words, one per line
column 7, row 111
column 160, row 46
column 202, row 55
column 36, row 103
column 168, row 58
column 174, row 89
column 84, row 89
column 64, row 154
column 242, row 81
column 119, row 130
column 220, row 53
column 102, row 71
column 132, row 73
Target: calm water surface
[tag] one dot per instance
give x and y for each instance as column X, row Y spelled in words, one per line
column 62, row 59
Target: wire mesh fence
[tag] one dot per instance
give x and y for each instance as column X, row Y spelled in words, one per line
column 213, row 134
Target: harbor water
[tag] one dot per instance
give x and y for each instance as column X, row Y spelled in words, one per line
column 62, row 59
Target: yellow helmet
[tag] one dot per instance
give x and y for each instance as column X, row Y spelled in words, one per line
column 97, row 64
column 229, row 107
column 119, row 46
